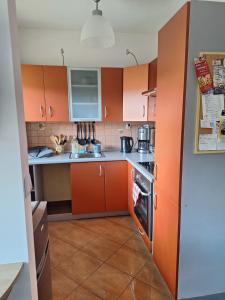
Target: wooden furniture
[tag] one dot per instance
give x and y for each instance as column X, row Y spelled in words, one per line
column 45, row 93
column 116, row 186
column 33, row 93
column 56, row 93
column 199, row 112
column 88, row 184
column 95, row 187
column 85, row 94
column 135, row 81
column 112, row 94
column 171, row 87
column 152, row 85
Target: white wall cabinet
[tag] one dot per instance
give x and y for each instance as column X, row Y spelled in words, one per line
column 85, row 94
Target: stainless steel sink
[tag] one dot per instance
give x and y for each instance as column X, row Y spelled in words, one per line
column 86, row 155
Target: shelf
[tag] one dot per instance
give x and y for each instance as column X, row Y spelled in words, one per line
column 84, row 86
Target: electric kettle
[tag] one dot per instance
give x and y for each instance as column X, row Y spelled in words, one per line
column 127, row 144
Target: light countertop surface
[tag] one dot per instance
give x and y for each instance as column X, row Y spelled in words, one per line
column 8, row 276
column 133, row 158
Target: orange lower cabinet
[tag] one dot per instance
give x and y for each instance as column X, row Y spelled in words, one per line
column 116, row 187
column 88, row 192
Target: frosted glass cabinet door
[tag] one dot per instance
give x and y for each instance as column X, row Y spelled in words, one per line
column 85, row 94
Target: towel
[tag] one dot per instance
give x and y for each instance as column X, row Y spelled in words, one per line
column 136, row 193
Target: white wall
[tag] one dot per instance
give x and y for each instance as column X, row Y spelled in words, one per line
column 15, row 211
column 40, row 46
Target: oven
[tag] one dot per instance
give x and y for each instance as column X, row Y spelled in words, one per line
column 144, row 206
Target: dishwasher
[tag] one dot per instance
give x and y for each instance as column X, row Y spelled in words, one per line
column 41, row 245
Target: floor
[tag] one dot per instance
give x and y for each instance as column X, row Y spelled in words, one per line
column 102, row 259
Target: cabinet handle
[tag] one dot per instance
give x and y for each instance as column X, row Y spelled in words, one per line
column 143, row 111
column 50, row 111
column 132, row 173
column 155, row 201
column 155, row 171
column 42, row 227
column 42, row 111
column 140, row 231
column 106, row 113
column 100, row 170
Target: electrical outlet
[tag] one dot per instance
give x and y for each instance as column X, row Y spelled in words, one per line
column 128, row 126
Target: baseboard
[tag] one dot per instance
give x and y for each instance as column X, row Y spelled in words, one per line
column 220, row 296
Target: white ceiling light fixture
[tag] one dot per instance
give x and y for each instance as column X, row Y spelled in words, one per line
column 97, row 32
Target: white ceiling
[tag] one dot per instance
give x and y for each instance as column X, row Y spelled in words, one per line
column 128, row 16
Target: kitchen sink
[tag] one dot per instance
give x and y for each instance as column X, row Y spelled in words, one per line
column 86, row 155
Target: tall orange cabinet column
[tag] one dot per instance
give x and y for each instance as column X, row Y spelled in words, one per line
column 171, row 77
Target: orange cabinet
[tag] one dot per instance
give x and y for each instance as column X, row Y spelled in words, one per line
column 135, row 82
column 116, row 176
column 88, row 188
column 45, row 93
column 95, row 187
column 152, row 84
column 56, row 93
column 172, row 55
column 33, row 93
column 112, row 94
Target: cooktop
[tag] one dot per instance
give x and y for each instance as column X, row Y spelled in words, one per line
column 148, row 165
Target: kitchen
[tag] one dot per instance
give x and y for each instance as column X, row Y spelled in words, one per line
column 122, row 208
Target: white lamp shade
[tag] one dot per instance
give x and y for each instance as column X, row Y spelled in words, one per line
column 97, row 33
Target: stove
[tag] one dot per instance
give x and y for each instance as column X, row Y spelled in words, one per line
column 148, row 165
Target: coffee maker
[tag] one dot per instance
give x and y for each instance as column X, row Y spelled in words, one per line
column 146, row 139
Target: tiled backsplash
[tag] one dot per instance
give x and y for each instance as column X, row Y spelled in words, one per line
column 38, row 134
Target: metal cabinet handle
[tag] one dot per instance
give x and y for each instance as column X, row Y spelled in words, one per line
column 143, row 111
column 132, row 173
column 42, row 227
column 50, row 111
column 106, row 112
column 155, row 201
column 42, row 111
column 155, row 171
column 100, row 170
column 140, row 231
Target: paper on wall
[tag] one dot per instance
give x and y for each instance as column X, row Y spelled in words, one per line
column 208, row 123
column 207, row 142
column 212, row 106
column 220, row 144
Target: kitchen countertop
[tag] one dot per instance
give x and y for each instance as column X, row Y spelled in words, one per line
column 133, row 158
column 8, row 276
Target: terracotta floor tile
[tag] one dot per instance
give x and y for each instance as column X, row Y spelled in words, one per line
column 136, row 243
column 62, row 286
column 107, row 229
column 79, row 266
column 107, row 282
column 58, row 229
column 156, row 295
column 137, row 290
column 101, row 248
column 79, row 237
column 82, row 294
column 125, row 221
column 127, row 260
column 60, row 250
column 150, row 275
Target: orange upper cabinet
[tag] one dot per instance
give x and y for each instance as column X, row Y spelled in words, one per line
column 152, row 84
column 56, row 93
column 45, row 93
column 87, row 182
column 135, row 82
column 112, row 94
column 172, row 55
column 33, row 93
column 116, row 176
